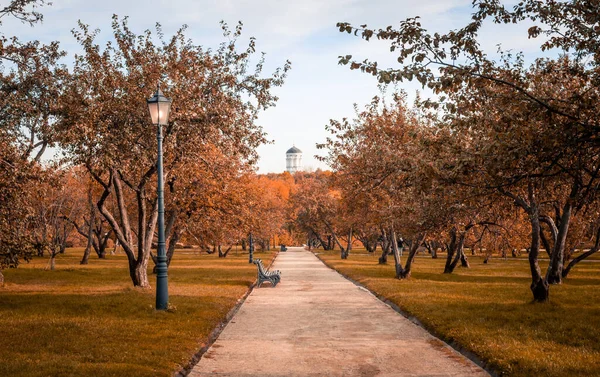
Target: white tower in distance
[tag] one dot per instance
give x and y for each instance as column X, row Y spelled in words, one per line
column 293, row 160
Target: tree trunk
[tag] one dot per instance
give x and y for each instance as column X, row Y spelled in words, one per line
column 411, row 256
column 539, row 287
column 396, row 253
column 383, row 258
column 90, row 235
column 139, row 274
column 147, row 220
column 333, row 238
column 554, row 273
column 583, row 256
column 320, row 240
column 404, row 272
column 432, row 248
column 243, row 244
column 385, row 248
column 1, row 279
column 578, row 259
column 349, row 245
column 52, row 260
column 114, row 250
column 101, row 253
column 223, row 254
column 464, row 261
column 86, row 252
column 101, row 242
column 459, row 253
column 367, row 242
column 451, row 250
column 172, row 244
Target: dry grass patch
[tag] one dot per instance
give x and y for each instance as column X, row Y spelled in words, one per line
column 487, row 310
column 89, row 320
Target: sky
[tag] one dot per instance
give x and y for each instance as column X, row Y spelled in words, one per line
column 317, row 88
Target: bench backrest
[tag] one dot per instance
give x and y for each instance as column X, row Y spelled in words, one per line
column 261, row 268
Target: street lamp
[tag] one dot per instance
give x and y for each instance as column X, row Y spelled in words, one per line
column 250, row 249
column 160, row 107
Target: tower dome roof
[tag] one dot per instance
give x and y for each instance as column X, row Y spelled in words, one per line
column 293, row 150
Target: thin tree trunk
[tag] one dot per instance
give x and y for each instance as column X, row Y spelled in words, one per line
column 434, row 254
column 404, row 272
column 114, row 250
column 385, row 247
column 464, row 261
column 451, row 250
column 554, row 272
column 349, row 246
column 172, row 245
column 318, row 237
column 578, row 259
column 539, row 287
column 460, row 251
column 102, row 243
column 333, row 236
column 411, row 256
column 86, row 252
column 1, row 278
column 396, row 253
column 583, row 256
column 545, row 242
column 90, row 235
column 223, row 254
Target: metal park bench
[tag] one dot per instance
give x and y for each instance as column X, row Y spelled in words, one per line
column 272, row 277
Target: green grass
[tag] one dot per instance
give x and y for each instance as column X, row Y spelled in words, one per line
column 487, row 310
column 89, row 320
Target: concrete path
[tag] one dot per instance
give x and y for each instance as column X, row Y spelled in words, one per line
column 317, row 323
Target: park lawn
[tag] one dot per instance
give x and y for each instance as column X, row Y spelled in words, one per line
column 90, row 320
column 487, row 310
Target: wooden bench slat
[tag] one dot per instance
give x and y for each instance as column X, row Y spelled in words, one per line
column 272, row 277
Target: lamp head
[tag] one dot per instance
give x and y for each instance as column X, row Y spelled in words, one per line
column 159, row 107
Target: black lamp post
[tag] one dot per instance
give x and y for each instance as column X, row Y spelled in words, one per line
column 250, row 248
column 160, row 107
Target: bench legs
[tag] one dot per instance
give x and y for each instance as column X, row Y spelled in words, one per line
column 274, row 281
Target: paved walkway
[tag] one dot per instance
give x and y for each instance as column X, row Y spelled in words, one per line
column 317, row 323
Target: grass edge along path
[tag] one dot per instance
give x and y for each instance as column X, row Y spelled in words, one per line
column 89, row 320
column 486, row 312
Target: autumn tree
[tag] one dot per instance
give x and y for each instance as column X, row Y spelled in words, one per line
column 555, row 100
column 29, row 86
column 53, row 204
column 376, row 158
column 87, row 221
column 105, row 126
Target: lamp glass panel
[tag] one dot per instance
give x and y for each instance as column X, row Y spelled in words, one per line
column 153, row 107
column 164, row 108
